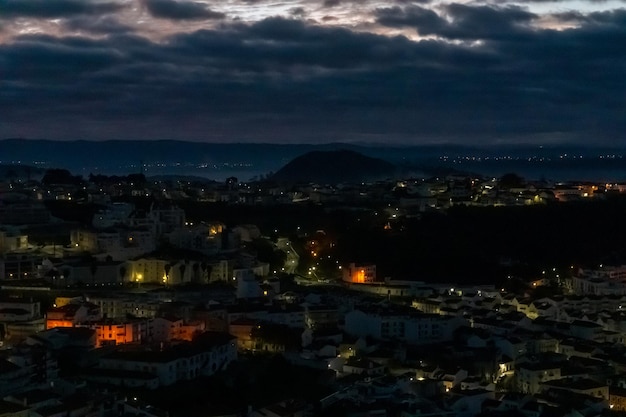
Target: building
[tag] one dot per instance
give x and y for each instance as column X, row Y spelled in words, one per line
column 584, row 386
column 119, row 332
column 359, row 274
column 410, row 326
column 530, row 376
column 207, row 354
column 72, row 314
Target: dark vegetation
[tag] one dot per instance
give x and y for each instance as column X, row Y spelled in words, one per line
column 266, row 252
column 471, row 244
column 251, row 381
column 72, row 211
column 113, row 179
column 61, row 176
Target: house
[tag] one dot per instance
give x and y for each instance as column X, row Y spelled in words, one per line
column 363, row 366
column 123, row 378
column 321, row 316
column 58, row 338
column 585, row 329
column 409, row 326
column 35, row 398
column 529, row 376
column 468, row 402
column 617, row 398
column 427, row 305
column 166, row 329
column 72, row 314
column 511, row 346
column 241, row 328
column 20, row 318
column 13, row 377
column 583, row 386
column 19, row 309
column 205, row 355
column 359, row 274
column 122, row 331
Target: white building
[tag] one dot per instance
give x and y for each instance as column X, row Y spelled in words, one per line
column 113, row 215
column 119, row 244
column 209, row 353
column 410, row 327
column 203, row 238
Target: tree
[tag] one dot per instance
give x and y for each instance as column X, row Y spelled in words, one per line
column 66, row 274
column 136, row 179
column 511, row 180
column 60, row 176
column 93, row 268
column 122, row 272
column 195, row 268
column 11, row 175
column 206, row 271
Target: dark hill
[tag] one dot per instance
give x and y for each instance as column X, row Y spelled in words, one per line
column 332, row 167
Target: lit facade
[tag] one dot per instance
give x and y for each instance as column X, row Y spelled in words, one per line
column 118, row 333
column 362, row 274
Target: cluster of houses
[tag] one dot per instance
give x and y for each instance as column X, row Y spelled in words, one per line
column 124, row 245
column 435, row 350
column 148, row 352
column 23, row 197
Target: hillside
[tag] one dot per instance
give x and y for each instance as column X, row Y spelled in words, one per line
column 334, row 167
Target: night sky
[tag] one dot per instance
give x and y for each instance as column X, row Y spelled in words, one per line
column 315, row 71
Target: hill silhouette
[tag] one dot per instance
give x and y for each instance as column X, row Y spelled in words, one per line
column 332, row 167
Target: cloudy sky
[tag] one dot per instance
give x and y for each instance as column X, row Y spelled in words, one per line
column 398, row 71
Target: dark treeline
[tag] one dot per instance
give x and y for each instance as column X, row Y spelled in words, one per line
column 113, row 179
column 477, row 244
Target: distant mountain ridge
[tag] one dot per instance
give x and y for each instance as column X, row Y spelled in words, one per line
column 171, row 157
column 219, row 161
column 334, row 167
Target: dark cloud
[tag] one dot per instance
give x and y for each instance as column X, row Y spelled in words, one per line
column 364, row 4
column 299, row 12
column 105, row 25
column 460, row 21
column 180, row 10
column 282, row 80
column 557, row 1
column 479, row 22
column 331, row 3
column 425, row 21
column 55, row 8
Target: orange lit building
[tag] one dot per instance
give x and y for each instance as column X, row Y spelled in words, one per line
column 190, row 330
column 617, row 398
column 122, row 332
column 69, row 315
column 360, row 274
column 242, row 330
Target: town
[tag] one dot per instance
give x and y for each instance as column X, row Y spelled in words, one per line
column 127, row 296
